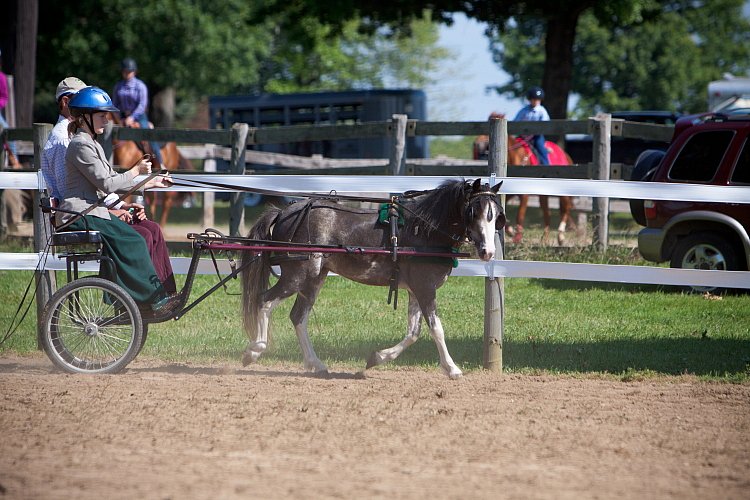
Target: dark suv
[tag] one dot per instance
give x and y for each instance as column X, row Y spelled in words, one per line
column 624, row 149
column 705, row 149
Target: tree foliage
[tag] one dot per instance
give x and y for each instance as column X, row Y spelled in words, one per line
column 216, row 47
column 662, row 60
column 199, row 47
column 317, row 56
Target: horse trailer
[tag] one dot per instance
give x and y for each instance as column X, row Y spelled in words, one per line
column 329, row 108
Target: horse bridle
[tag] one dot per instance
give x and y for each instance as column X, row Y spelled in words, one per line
column 469, row 208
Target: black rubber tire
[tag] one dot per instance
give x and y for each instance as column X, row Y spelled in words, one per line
column 643, row 171
column 143, row 337
column 91, row 325
column 705, row 250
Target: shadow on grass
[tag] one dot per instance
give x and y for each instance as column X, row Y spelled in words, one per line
column 553, row 284
column 697, row 356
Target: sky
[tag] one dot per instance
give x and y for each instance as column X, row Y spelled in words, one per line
column 459, row 94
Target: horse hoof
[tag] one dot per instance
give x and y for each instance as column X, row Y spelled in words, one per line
column 373, row 360
column 455, row 374
column 560, row 238
column 246, row 359
column 249, row 357
column 316, row 367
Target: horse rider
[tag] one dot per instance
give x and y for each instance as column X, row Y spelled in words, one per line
column 535, row 112
column 131, row 97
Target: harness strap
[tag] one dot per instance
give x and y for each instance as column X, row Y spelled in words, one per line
column 393, row 217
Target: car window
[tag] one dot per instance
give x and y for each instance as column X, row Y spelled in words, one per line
column 701, row 156
column 741, row 174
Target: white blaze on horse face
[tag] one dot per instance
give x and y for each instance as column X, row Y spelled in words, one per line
column 483, row 232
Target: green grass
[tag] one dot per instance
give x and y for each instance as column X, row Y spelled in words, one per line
column 551, row 326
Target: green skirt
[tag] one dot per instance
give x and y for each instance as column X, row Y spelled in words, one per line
column 133, row 268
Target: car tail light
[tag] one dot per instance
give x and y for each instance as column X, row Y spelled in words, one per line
column 650, row 209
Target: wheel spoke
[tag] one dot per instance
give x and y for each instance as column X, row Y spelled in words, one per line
column 92, row 327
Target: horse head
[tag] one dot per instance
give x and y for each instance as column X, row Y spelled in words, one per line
column 483, row 215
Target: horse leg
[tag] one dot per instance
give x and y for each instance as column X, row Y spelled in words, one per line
column 299, row 316
column 544, row 204
column 413, row 328
column 427, row 301
column 271, row 298
column 166, row 206
column 521, row 217
column 565, row 205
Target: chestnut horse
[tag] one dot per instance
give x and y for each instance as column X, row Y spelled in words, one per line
column 519, row 153
column 128, row 153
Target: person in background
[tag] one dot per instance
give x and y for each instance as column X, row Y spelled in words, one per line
column 535, row 112
column 53, row 169
column 88, row 177
column 131, row 97
column 4, row 95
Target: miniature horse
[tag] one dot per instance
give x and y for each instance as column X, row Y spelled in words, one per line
column 519, row 153
column 435, row 221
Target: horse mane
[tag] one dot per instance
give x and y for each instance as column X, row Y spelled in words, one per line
column 437, row 206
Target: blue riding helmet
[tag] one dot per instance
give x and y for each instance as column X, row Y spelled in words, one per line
column 91, row 100
column 535, row 93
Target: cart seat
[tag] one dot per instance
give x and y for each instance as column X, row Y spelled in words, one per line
column 77, row 242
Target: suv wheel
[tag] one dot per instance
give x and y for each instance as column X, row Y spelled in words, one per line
column 705, row 251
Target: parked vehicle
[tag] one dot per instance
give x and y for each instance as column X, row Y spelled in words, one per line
column 624, row 150
column 709, row 149
column 729, row 94
column 324, row 108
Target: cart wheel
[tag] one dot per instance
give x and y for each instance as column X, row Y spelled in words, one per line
column 143, row 337
column 92, row 325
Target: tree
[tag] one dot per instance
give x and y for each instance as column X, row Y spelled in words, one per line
column 559, row 19
column 18, row 30
column 194, row 48
column 663, row 60
column 197, row 47
column 316, row 57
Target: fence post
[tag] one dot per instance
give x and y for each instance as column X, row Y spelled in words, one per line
column 398, row 156
column 209, row 167
column 494, row 287
column 46, row 284
column 602, row 135
column 237, row 167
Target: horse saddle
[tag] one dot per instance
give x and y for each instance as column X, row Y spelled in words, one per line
column 555, row 154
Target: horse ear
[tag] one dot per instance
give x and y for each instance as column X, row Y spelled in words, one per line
column 496, row 187
column 476, row 186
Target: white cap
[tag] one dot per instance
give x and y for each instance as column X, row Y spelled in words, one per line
column 69, row 85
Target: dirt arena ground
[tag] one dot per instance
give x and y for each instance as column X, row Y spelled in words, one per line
column 174, row 431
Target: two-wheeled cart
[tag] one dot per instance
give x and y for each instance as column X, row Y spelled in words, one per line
column 92, row 325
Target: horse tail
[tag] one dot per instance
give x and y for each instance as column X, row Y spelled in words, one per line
column 256, row 276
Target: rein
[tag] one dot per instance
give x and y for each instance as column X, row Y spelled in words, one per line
column 100, row 203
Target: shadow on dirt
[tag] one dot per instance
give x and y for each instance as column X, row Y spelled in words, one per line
column 182, row 369
column 698, row 355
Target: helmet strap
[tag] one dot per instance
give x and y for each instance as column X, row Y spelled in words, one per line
column 89, row 120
